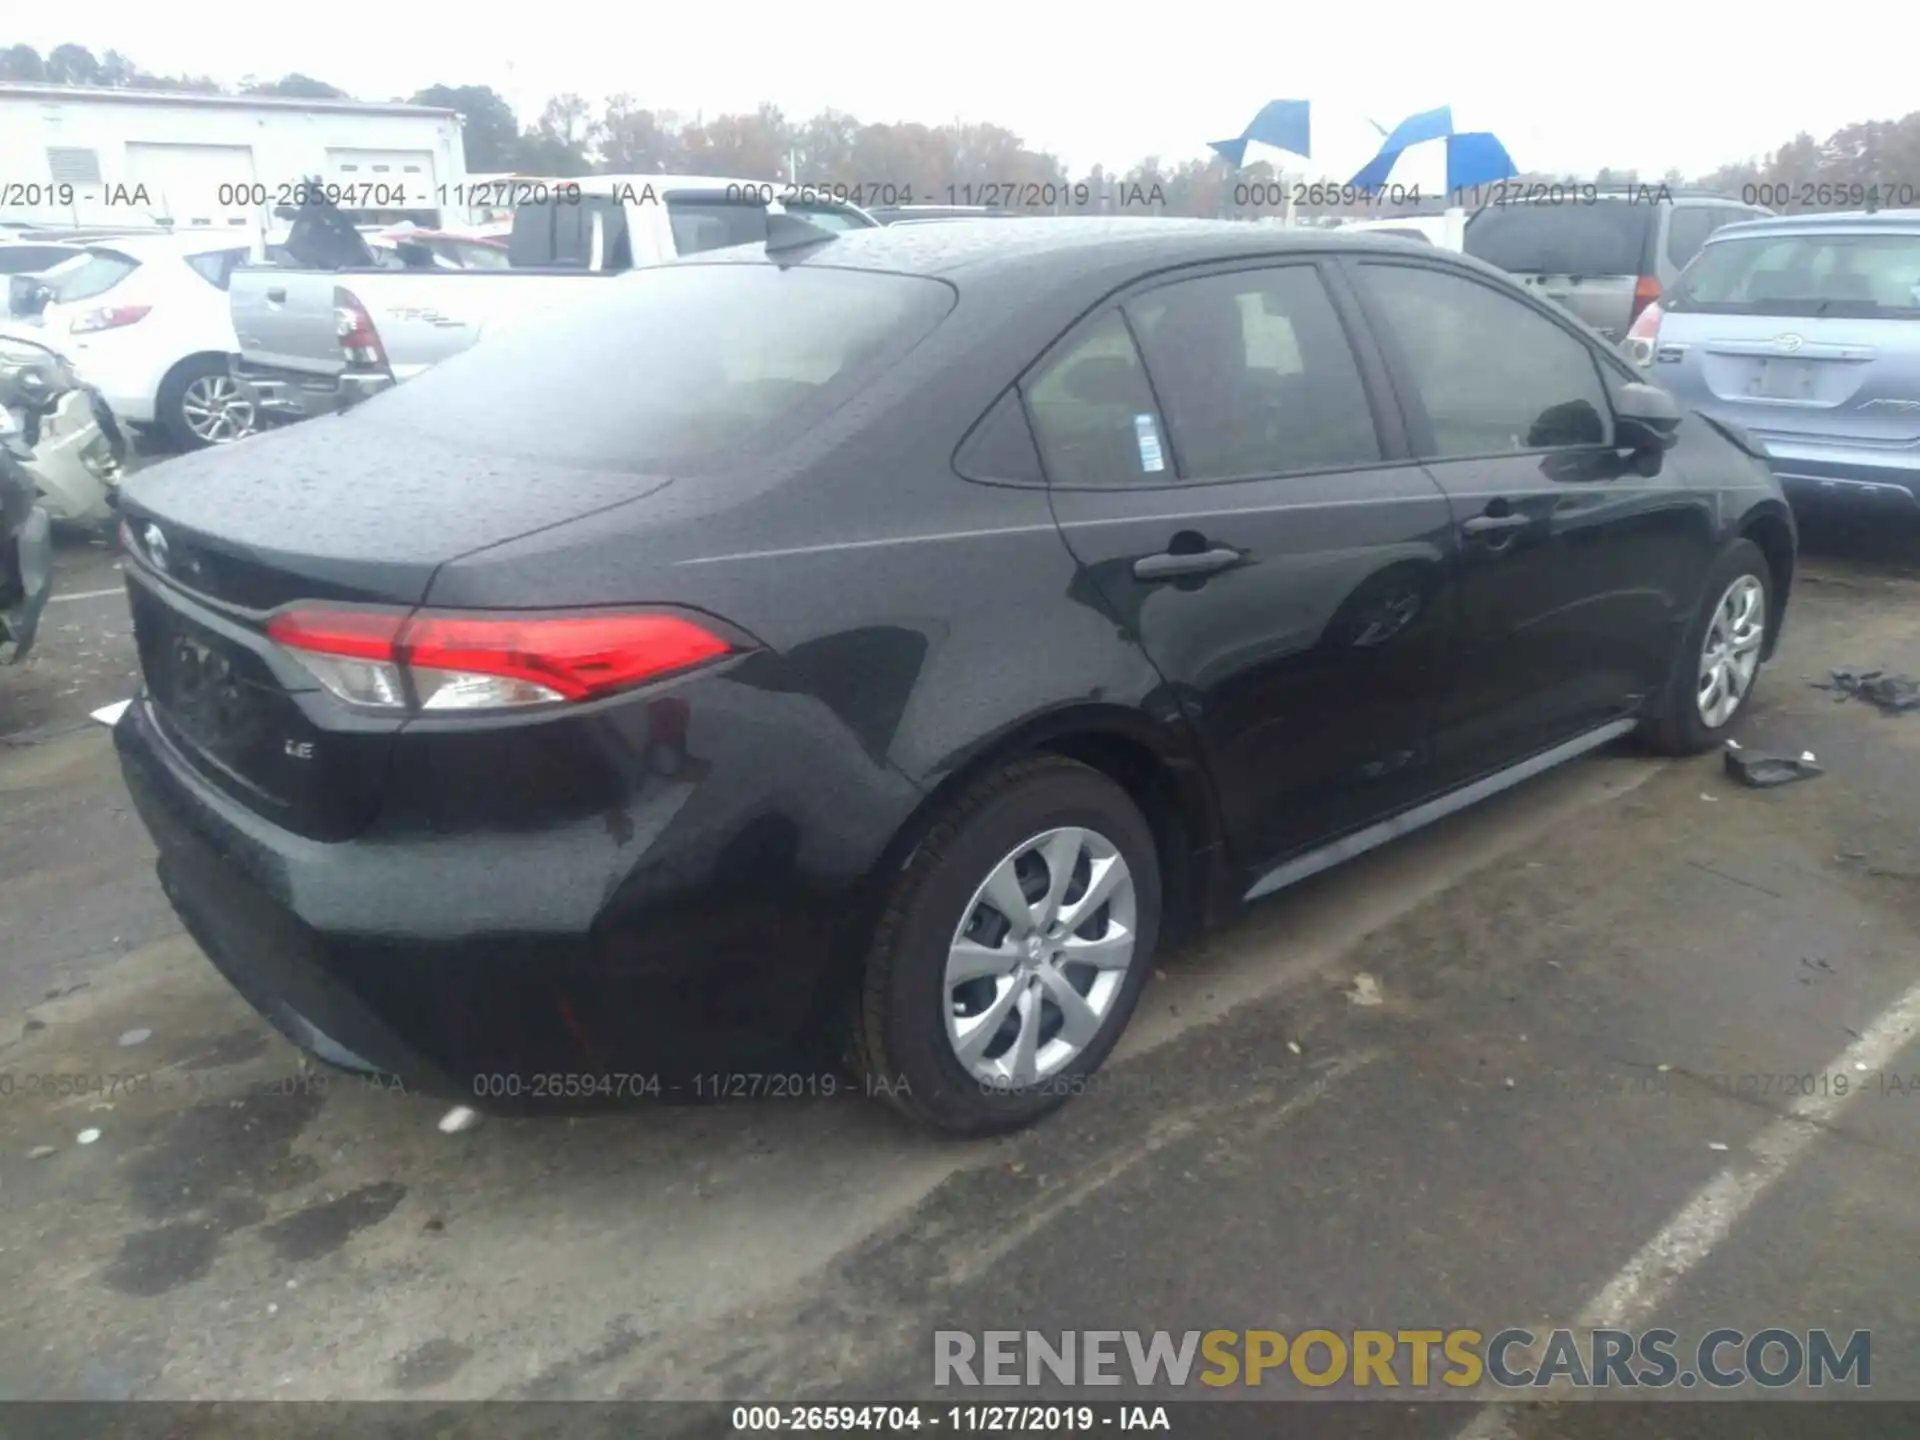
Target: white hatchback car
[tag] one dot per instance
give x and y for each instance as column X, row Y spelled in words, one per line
column 145, row 319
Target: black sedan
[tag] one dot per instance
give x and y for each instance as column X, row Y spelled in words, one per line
column 884, row 645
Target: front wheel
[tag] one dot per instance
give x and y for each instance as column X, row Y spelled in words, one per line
column 1012, row 949
column 201, row 404
column 1719, row 659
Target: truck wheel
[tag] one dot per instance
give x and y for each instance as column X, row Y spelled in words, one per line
column 200, row 404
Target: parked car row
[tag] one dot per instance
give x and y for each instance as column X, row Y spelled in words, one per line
column 1800, row 331
column 329, row 325
column 145, row 315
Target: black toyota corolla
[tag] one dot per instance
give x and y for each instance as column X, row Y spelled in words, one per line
column 882, row 646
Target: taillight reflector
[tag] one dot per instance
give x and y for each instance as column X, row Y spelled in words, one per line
column 358, row 337
column 1643, row 335
column 457, row 661
column 1646, row 290
column 108, row 317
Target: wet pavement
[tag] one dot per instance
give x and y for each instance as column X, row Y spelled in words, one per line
column 1599, row 1087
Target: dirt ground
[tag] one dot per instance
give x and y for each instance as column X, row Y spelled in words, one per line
column 1599, row 993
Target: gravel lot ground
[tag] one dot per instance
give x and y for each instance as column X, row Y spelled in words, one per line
column 1600, row 994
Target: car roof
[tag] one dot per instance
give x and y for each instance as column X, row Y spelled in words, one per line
column 158, row 247
column 1064, row 246
column 1854, row 222
column 670, row 184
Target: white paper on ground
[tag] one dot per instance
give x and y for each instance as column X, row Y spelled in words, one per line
column 109, row 715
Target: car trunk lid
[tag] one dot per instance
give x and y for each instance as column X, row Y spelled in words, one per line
column 221, row 539
column 285, row 320
column 1850, row 380
column 1802, row 333
column 284, row 312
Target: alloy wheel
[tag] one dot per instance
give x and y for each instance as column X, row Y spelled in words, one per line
column 1731, row 651
column 1040, row 956
column 216, row 410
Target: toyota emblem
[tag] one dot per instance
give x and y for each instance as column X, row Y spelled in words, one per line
column 156, row 542
column 1789, row 343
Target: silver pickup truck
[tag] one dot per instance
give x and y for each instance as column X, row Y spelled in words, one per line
column 328, row 324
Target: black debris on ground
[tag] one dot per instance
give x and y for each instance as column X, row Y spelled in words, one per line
column 1762, row 772
column 1895, row 694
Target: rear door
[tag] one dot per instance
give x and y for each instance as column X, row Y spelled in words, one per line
column 1574, row 567
column 1810, row 339
column 1586, row 257
column 1226, row 468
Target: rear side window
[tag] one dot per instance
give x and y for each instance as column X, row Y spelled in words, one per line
column 1256, row 374
column 1093, row 411
column 28, row 259
column 216, row 266
column 1687, row 230
column 715, row 224
column 683, row 365
column 1805, row 276
column 1608, row 237
column 571, row 234
column 1492, row 375
column 94, row 274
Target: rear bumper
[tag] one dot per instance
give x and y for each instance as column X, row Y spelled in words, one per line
column 290, row 395
column 555, row 962
column 1834, row 475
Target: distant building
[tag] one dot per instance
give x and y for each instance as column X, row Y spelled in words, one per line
column 84, row 155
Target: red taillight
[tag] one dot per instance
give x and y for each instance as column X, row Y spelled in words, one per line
column 489, row 662
column 1646, row 291
column 1643, row 336
column 108, row 317
column 354, row 326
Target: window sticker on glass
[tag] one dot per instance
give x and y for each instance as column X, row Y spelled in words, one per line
column 1148, row 434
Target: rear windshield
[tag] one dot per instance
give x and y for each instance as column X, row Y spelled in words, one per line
column 1870, row 276
column 678, row 365
column 1608, row 237
column 86, row 276
column 587, row 233
column 707, row 222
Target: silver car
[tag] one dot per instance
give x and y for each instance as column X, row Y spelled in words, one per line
column 1604, row 254
column 1805, row 331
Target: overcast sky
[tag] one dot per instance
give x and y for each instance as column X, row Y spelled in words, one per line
column 1567, row 87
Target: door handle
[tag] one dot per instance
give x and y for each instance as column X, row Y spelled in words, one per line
column 1490, row 524
column 277, row 296
column 1174, row 565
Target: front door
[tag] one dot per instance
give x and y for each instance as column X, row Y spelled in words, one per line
column 1573, row 560
column 1230, row 475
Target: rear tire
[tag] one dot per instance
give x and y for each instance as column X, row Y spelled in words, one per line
column 913, row 1041
column 1695, row 713
column 200, row 405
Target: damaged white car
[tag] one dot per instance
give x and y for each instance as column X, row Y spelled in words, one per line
column 65, row 435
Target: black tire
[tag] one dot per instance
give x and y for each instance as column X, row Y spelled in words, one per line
column 1677, row 726
column 900, row 1045
column 170, row 404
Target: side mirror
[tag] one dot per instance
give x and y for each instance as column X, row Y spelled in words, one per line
column 1648, row 417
